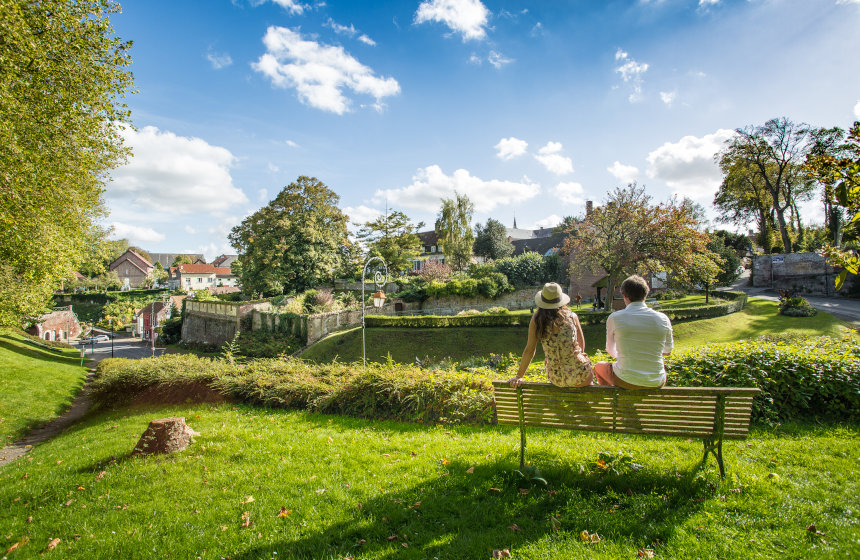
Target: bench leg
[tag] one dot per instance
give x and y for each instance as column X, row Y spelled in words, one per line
column 522, row 427
column 715, row 448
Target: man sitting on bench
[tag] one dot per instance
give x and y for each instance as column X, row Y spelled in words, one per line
column 637, row 337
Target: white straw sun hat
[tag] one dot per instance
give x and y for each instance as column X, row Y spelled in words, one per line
column 551, row 297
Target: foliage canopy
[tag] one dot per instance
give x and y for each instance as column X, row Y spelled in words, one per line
column 62, row 77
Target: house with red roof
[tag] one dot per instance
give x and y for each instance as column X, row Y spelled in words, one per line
column 200, row 276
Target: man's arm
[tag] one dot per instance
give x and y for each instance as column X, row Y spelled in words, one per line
column 669, row 342
column 610, row 338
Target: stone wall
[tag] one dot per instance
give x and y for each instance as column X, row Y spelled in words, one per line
column 216, row 322
column 523, row 298
column 804, row 273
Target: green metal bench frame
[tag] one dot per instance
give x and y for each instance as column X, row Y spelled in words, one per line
column 711, row 414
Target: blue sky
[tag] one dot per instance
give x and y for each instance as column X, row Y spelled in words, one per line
column 529, row 108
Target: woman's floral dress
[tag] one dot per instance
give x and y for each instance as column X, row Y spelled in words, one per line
column 567, row 365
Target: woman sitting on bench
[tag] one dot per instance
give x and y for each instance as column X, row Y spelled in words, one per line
column 559, row 331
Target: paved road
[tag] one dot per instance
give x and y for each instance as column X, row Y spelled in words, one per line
column 847, row 309
column 124, row 346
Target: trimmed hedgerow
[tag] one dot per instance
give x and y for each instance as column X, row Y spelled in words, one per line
column 799, row 376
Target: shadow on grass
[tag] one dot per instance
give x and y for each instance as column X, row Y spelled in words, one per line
column 32, row 350
column 462, row 514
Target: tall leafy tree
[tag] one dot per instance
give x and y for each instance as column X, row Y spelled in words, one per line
column 182, row 259
column 840, row 175
column 491, row 240
column 454, row 228
column 768, row 160
column 294, row 242
column 629, row 234
column 392, row 237
column 62, row 78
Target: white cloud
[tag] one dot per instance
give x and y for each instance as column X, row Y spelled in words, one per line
column 263, row 195
column 291, row 6
column 475, row 59
column 624, row 173
column 189, row 230
column 212, row 250
column 136, row 235
column 553, row 161
column 349, row 30
column 319, row 73
column 569, row 193
column 174, row 174
column 466, row 17
column 509, row 148
column 367, row 40
column 218, row 60
column 688, row 165
column 706, row 3
column 273, row 168
column 361, row 214
column 549, row 222
column 857, row 107
column 631, row 73
column 537, row 30
column 498, row 60
column 668, row 97
column 292, row 144
column 431, row 184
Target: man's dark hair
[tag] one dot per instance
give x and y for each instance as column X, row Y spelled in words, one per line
column 635, row 288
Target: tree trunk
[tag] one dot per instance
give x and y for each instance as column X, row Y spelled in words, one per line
column 783, row 229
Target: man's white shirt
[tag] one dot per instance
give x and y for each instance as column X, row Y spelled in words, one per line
column 637, row 337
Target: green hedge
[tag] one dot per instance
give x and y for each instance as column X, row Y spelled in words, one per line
column 799, row 376
column 738, row 301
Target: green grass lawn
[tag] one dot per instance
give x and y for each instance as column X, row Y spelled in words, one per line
column 37, row 383
column 374, row 490
column 759, row 317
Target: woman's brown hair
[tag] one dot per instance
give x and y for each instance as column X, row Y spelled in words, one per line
column 544, row 318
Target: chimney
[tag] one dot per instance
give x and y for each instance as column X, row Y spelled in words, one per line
column 589, row 206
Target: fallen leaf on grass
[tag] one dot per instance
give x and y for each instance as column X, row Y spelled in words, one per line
column 30, row 519
column 445, row 461
column 646, row 553
column 470, row 470
column 67, row 504
column 495, row 489
column 392, row 538
column 524, row 491
column 514, row 527
column 284, row 512
column 17, row 545
column 361, row 541
column 53, row 544
column 247, row 499
column 504, row 553
column 80, row 487
column 404, row 545
column 246, row 519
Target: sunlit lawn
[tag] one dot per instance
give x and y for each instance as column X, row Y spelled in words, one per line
column 364, row 489
column 759, row 317
column 36, row 383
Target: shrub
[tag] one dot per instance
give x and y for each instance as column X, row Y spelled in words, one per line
column 796, row 307
column 468, row 312
column 260, row 344
column 497, row 311
column 799, row 376
column 171, row 330
column 526, row 269
column 669, row 294
column 435, row 270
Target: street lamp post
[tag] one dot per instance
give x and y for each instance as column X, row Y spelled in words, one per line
column 380, row 276
column 110, row 322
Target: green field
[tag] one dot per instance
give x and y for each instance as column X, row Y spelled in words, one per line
column 353, row 488
column 37, row 383
column 759, row 317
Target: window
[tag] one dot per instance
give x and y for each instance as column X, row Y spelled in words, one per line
column 432, row 248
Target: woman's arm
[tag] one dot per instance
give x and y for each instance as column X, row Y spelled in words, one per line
column 528, row 354
column 580, row 336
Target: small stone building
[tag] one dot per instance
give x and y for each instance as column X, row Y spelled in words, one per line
column 61, row 325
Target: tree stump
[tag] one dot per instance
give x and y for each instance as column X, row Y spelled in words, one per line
column 165, row 435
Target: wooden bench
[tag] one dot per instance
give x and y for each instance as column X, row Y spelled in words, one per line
column 711, row 414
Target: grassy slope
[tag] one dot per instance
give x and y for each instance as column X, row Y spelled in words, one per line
column 37, row 383
column 350, row 485
column 759, row 317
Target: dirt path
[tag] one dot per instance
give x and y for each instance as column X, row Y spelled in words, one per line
column 79, row 407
